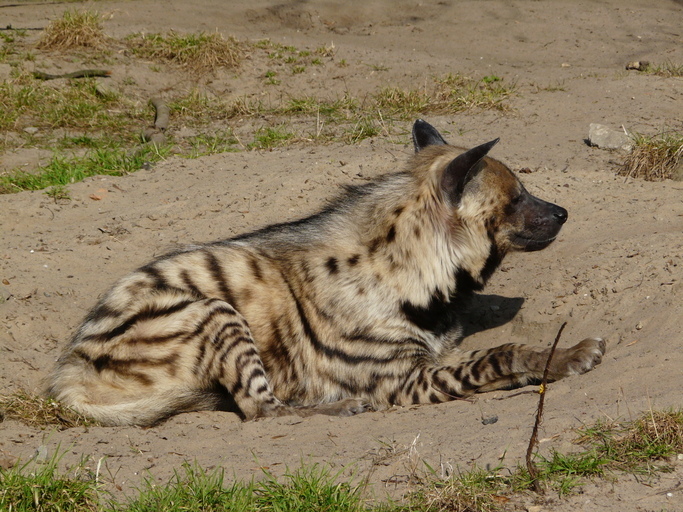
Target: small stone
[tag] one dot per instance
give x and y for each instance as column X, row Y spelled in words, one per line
column 5, row 294
column 490, row 420
column 534, row 508
column 638, row 65
column 680, row 456
column 604, row 137
column 639, row 326
column 41, row 454
column 31, row 130
column 104, row 91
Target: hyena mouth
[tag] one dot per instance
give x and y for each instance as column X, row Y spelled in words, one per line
column 529, row 244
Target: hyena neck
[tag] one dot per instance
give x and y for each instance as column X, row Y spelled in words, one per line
column 423, row 262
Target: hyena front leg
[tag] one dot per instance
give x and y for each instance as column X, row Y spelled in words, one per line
column 503, row 367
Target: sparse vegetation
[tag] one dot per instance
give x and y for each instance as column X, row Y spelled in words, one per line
column 33, row 487
column 655, row 158
column 667, row 70
column 644, row 446
column 197, row 53
column 58, row 193
column 38, row 411
column 94, row 129
column 76, row 106
column 75, row 30
column 203, row 145
column 63, row 170
column 270, row 137
column 447, row 95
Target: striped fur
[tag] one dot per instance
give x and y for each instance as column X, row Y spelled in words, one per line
column 356, row 307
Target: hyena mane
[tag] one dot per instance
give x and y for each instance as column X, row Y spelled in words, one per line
column 356, row 307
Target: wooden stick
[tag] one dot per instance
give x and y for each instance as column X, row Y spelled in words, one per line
column 531, row 467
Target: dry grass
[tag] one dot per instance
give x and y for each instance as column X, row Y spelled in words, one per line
column 74, row 30
column 475, row 491
column 446, row 95
column 197, row 53
column 38, row 411
column 636, row 446
column 655, row 158
column 667, row 70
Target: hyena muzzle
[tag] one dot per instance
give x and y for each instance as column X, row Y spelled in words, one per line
column 355, row 307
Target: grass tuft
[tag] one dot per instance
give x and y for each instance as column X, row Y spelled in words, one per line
column 193, row 490
column 33, row 487
column 74, row 30
column 39, row 411
column 447, row 95
column 309, row 488
column 66, row 170
column 667, row 70
column 637, row 446
column 270, row 137
column 655, row 158
column 477, row 490
column 197, row 53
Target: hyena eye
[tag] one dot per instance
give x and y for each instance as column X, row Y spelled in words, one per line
column 515, row 200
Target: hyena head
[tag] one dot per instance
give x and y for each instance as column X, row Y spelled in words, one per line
column 486, row 197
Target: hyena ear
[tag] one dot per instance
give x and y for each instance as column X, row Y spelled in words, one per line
column 462, row 169
column 424, row 134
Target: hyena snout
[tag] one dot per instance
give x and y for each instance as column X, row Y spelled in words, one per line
column 542, row 222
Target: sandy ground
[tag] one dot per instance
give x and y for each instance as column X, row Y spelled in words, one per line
column 615, row 272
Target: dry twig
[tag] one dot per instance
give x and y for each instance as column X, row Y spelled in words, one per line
column 531, row 467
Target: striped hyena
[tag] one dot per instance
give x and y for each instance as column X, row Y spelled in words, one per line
column 355, row 307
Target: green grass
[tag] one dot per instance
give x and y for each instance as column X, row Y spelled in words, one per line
column 192, row 490
column 91, row 129
column 449, row 94
column 204, row 145
column 271, row 137
column 41, row 487
column 644, row 446
column 77, row 106
column 34, row 487
column 63, row 170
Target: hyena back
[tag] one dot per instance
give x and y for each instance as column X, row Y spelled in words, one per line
column 355, row 307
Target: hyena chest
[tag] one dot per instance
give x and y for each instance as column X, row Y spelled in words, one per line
column 333, row 348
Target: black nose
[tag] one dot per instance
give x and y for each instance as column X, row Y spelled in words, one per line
column 560, row 214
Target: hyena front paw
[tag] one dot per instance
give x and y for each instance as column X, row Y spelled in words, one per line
column 581, row 358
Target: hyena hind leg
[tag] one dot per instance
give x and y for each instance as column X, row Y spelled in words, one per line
column 238, row 367
column 345, row 407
